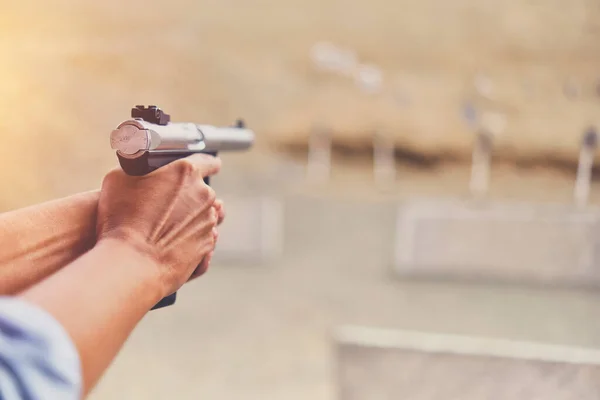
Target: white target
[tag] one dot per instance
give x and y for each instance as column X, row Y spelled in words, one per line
column 324, row 55
column 329, row 57
column 369, row 78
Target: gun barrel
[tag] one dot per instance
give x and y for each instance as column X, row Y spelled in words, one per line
column 175, row 135
column 226, row 138
column 134, row 136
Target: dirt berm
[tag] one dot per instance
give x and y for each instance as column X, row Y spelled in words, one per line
column 72, row 70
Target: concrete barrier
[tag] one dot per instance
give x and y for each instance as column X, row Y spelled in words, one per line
column 527, row 243
column 385, row 365
column 253, row 230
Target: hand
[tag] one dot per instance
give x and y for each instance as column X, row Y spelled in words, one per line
column 169, row 215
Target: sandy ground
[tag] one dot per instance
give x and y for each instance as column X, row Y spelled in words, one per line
column 264, row 331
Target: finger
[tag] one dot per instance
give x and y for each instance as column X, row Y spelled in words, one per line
column 205, row 263
column 218, row 205
column 203, row 267
column 207, row 165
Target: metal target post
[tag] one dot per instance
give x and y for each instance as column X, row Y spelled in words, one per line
column 583, row 180
column 491, row 125
column 318, row 169
column 481, row 158
column 319, row 156
column 369, row 80
column 326, row 57
column 481, row 165
column 384, row 160
column 488, row 126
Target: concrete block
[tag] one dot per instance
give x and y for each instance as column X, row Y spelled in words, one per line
column 252, row 231
column 385, row 365
column 527, row 243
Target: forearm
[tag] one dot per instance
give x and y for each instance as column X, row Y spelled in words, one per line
column 38, row 240
column 99, row 299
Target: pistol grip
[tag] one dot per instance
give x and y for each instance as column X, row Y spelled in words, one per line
column 144, row 165
column 166, row 301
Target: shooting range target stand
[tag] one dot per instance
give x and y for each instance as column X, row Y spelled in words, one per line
column 522, row 243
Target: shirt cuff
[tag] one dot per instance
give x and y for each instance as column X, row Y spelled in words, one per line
column 38, row 359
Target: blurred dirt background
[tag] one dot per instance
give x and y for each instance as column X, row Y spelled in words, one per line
column 72, row 70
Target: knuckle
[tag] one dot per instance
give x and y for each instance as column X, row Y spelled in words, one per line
column 208, row 193
column 185, row 167
column 115, row 172
column 210, row 243
column 214, row 216
column 113, row 175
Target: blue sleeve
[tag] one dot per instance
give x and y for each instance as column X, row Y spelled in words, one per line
column 38, row 360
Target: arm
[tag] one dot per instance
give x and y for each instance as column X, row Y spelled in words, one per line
column 152, row 234
column 38, row 240
column 98, row 300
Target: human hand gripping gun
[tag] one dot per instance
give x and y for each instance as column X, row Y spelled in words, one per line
column 149, row 141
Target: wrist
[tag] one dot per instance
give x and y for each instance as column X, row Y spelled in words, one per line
column 140, row 263
column 132, row 239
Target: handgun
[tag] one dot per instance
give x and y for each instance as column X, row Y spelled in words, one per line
column 149, row 140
